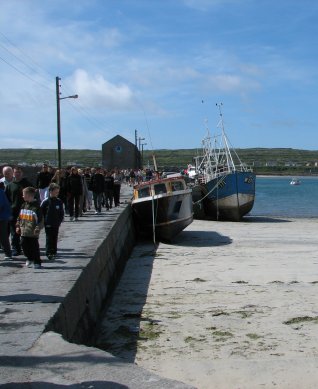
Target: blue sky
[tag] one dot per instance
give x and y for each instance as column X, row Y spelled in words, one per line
column 149, row 64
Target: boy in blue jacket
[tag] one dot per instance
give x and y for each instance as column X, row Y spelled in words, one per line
column 53, row 212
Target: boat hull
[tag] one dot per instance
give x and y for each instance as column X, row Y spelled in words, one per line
column 168, row 213
column 229, row 197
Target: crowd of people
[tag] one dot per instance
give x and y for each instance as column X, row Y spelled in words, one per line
column 27, row 207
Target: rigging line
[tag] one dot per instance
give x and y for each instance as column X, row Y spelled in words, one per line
column 146, row 120
column 25, row 75
column 215, row 186
column 153, row 219
column 76, row 105
column 80, row 108
column 92, row 120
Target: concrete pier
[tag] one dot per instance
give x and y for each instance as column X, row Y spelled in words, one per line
column 43, row 311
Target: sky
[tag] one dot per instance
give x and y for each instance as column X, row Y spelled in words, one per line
column 159, row 67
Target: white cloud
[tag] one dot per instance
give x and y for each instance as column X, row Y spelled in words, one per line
column 231, row 83
column 96, row 92
column 205, row 5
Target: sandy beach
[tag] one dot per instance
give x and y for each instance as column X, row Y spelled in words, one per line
column 227, row 305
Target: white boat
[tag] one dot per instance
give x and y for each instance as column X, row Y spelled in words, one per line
column 295, row 181
column 162, row 207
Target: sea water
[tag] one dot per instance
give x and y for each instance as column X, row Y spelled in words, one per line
column 276, row 197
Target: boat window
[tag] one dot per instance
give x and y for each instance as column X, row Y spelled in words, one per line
column 143, row 192
column 177, row 185
column 160, row 188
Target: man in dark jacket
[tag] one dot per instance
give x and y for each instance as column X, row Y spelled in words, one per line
column 53, row 212
column 74, row 187
column 109, row 190
column 43, row 181
column 14, row 192
column 5, row 216
column 97, row 187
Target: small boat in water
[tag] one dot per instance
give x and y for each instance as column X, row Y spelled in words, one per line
column 225, row 186
column 295, row 181
column 162, row 207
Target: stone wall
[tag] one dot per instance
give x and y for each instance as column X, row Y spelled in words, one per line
column 77, row 315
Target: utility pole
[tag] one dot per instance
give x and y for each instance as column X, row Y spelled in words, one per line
column 142, row 154
column 58, row 98
column 136, row 151
column 59, row 157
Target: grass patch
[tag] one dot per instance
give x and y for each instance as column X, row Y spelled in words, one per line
column 239, row 282
column 198, row 280
column 244, row 314
column 301, row 319
column 223, row 334
column 191, row 339
column 253, row 336
column 174, row 315
column 220, row 313
column 149, row 331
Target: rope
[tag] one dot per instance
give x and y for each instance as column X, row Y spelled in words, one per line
column 215, row 186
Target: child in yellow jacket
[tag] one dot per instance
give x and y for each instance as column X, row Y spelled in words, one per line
column 29, row 224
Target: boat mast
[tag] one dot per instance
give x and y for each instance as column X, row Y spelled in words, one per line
column 154, row 162
column 229, row 159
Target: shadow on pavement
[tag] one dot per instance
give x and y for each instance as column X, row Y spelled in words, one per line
column 31, row 298
column 201, row 239
column 49, row 385
column 265, row 219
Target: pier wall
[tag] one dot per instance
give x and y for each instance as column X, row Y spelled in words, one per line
column 77, row 315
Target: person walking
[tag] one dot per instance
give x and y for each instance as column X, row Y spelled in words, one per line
column 7, row 172
column 74, row 191
column 117, row 183
column 83, row 197
column 97, row 187
column 53, row 214
column 5, row 216
column 29, row 224
column 15, row 196
column 109, row 190
column 60, row 179
column 43, row 181
column 89, row 194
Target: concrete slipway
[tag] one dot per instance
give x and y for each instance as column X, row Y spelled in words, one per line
column 42, row 310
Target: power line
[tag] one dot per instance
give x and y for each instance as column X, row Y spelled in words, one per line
column 45, row 73
column 25, row 75
column 47, row 76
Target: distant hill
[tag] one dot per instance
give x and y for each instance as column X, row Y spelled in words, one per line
column 264, row 160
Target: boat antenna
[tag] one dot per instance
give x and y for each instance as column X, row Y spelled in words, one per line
column 219, row 105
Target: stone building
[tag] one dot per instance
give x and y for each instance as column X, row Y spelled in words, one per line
column 119, row 152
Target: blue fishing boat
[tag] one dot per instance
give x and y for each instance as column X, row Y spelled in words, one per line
column 225, row 186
